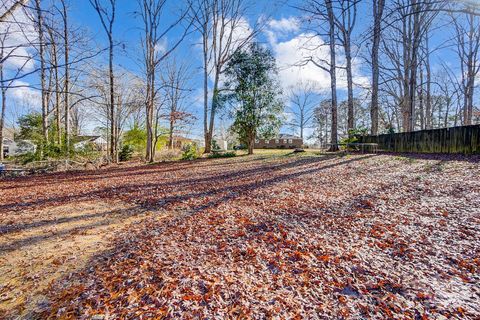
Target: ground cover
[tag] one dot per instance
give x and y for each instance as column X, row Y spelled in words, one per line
column 274, row 235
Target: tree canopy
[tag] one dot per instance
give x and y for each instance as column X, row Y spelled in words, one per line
column 254, row 94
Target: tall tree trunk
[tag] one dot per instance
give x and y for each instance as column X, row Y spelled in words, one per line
column 420, row 101
column 350, row 112
column 209, row 140
column 333, row 76
column 428, row 102
column 302, row 120
column 41, row 48
column 4, row 106
column 57, row 96
column 113, row 142
column 170, row 134
column 67, row 78
column 416, row 37
column 378, row 7
column 205, row 91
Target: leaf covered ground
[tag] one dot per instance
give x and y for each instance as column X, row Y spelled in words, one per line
column 268, row 236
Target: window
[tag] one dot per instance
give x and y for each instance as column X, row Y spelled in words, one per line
column 277, row 141
column 285, row 141
column 290, row 141
column 267, row 141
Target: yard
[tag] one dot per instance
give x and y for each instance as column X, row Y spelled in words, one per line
column 274, row 235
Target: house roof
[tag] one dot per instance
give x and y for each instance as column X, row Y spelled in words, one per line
column 8, row 133
column 287, row 136
column 85, row 138
column 180, row 138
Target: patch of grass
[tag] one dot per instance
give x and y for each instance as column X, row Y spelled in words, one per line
column 405, row 159
column 434, row 167
column 217, row 155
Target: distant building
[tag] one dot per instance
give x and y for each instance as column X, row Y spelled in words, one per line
column 283, row 141
column 221, row 143
column 96, row 142
column 16, row 148
column 180, row 142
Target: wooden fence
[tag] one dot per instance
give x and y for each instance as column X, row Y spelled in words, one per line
column 465, row 139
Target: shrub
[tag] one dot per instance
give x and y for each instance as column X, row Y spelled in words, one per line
column 354, row 135
column 126, row 153
column 168, row 155
column 216, row 155
column 190, row 152
column 29, row 157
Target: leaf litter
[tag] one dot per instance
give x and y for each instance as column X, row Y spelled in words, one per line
column 310, row 237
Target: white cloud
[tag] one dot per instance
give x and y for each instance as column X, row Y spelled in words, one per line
column 284, row 25
column 281, row 28
column 24, row 95
column 16, row 35
column 161, row 47
column 290, row 54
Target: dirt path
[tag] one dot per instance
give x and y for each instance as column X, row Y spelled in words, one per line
column 47, row 244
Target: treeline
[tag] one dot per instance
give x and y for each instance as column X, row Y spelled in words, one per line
column 422, row 58
column 408, row 86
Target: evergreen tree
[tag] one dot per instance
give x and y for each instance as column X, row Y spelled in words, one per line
column 254, row 94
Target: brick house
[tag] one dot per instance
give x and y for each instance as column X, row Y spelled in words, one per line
column 283, row 141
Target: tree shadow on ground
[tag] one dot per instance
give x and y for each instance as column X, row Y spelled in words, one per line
column 128, row 189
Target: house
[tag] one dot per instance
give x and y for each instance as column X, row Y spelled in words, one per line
column 221, row 143
column 96, row 142
column 17, row 148
column 180, row 142
column 283, row 141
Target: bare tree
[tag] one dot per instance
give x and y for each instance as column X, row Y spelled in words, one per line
column 107, row 19
column 378, row 9
column 409, row 22
column 345, row 23
column 303, row 98
column 320, row 122
column 223, row 28
column 66, row 87
column 54, row 42
column 129, row 99
column 175, row 82
column 41, row 50
column 333, row 75
column 155, row 32
column 467, row 38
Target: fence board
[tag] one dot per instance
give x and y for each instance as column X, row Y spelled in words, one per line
column 465, row 139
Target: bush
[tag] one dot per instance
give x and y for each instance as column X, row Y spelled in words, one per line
column 190, row 152
column 126, row 153
column 168, row 155
column 354, row 135
column 29, row 157
column 216, row 155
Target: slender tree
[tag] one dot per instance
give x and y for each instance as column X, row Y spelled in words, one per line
column 150, row 12
column 378, row 9
column 176, row 89
column 345, row 23
column 467, row 38
column 107, row 19
column 41, row 51
column 303, row 98
column 223, row 29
